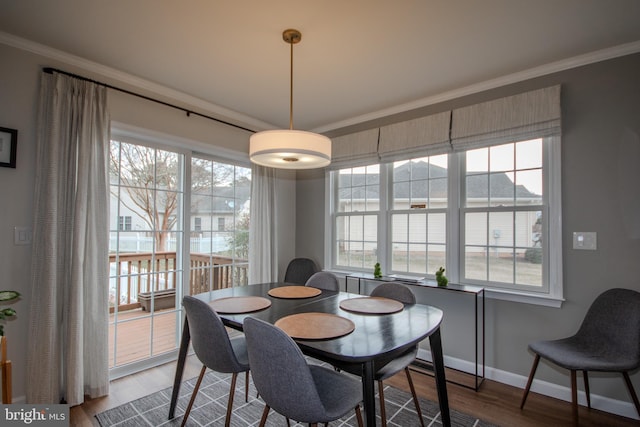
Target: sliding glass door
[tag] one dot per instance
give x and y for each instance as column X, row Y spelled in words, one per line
column 179, row 224
column 145, row 251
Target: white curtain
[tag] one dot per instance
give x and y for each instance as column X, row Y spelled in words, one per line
column 263, row 259
column 68, row 324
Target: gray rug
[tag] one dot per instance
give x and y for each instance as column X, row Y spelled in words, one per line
column 210, row 408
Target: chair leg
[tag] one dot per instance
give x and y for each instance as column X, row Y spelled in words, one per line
column 632, row 392
column 193, row 396
column 574, row 398
column 265, row 414
column 232, row 391
column 246, row 387
column 383, row 410
column 415, row 397
column 359, row 416
column 585, row 375
column 530, row 380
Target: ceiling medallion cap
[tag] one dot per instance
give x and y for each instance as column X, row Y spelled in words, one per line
column 292, row 36
column 290, row 149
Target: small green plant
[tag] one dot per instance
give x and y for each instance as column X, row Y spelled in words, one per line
column 441, row 279
column 377, row 272
column 7, row 312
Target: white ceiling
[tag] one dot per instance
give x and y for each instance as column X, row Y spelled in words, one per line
column 358, row 59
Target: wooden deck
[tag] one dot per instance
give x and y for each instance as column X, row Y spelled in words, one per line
column 135, row 338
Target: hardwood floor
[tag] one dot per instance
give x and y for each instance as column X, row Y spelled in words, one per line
column 494, row 402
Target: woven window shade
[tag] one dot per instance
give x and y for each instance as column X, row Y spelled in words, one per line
column 524, row 116
column 415, row 138
column 356, row 149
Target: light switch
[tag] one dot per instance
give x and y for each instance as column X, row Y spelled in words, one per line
column 21, row 235
column 584, row 240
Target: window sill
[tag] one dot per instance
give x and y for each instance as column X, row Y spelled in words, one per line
column 497, row 294
column 526, row 298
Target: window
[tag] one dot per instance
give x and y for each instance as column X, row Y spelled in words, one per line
column 502, row 215
column 124, row 223
column 197, row 224
column 481, row 213
column 418, row 215
column 475, row 190
column 220, row 194
column 357, row 210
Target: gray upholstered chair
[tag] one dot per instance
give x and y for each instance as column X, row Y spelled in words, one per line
column 608, row 341
column 288, row 385
column 214, row 349
column 324, row 280
column 299, row 270
column 388, row 368
column 399, row 292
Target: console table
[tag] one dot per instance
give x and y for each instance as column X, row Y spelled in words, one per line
column 479, row 305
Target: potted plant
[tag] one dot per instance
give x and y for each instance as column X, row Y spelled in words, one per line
column 5, row 365
column 7, row 311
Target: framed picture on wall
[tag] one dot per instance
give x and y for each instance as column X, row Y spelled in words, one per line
column 8, row 146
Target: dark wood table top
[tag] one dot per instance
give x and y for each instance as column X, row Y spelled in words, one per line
column 375, row 335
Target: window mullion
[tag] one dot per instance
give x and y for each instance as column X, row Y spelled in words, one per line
column 455, row 229
column 384, row 217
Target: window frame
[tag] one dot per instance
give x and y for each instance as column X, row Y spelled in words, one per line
column 551, row 293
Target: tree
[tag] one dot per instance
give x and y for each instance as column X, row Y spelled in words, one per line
column 152, row 178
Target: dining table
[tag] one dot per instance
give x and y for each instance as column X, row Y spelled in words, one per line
column 373, row 339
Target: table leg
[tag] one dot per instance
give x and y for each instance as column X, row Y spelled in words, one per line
column 441, row 382
column 368, row 394
column 182, row 357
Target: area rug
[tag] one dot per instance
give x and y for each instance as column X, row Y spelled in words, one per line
column 210, row 408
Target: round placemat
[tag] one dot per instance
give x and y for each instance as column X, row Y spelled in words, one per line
column 238, row 305
column 371, row 305
column 315, row 326
column 294, row 292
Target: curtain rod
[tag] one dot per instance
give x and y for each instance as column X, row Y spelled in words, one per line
column 50, row 70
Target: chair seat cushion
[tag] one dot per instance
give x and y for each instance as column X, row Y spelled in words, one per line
column 239, row 345
column 584, row 355
column 396, row 365
column 339, row 393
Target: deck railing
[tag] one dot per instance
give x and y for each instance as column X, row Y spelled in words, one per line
column 133, row 274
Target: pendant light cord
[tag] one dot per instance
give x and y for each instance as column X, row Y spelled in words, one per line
column 291, row 88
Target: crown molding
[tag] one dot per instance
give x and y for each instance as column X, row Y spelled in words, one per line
column 128, row 79
column 553, row 67
column 230, row 115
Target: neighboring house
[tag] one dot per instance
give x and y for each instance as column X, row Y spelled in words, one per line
column 362, row 196
column 207, row 218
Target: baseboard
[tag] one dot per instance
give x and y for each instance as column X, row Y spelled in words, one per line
column 602, row 403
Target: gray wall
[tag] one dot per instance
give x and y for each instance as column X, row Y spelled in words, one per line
column 19, row 84
column 600, row 175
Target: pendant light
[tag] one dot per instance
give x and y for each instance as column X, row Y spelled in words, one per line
column 289, row 148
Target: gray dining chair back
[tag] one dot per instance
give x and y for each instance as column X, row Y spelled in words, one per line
column 290, row 386
column 608, row 340
column 399, row 292
column 300, row 270
column 324, row 280
column 214, row 348
column 396, row 291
